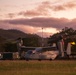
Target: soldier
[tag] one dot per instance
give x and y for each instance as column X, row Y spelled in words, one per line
column 61, row 46
column 19, row 45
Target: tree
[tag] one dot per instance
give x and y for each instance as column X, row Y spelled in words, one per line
column 69, row 35
column 10, row 47
column 2, row 42
column 32, row 41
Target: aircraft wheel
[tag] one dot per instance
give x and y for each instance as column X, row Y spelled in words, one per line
column 39, row 59
column 27, row 59
column 50, row 59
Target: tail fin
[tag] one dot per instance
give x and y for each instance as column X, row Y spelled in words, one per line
column 68, row 51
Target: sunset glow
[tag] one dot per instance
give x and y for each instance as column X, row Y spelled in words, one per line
column 30, row 16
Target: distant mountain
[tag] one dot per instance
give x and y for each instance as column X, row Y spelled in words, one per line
column 12, row 34
column 8, row 36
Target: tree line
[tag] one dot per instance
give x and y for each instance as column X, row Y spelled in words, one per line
column 69, row 34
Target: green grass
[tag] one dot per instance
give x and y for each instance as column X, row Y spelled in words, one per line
column 16, row 67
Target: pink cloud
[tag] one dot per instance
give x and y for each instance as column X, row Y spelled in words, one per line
column 41, row 10
column 43, row 22
column 11, row 15
column 68, row 5
column 30, row 13
column 33, row 25
column 44, row 8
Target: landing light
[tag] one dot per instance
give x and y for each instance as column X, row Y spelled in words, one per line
column 73, row 43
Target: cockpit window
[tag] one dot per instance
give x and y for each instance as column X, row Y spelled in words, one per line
column 38, row 49
column 29, row 52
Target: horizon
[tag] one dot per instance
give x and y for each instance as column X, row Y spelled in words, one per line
column 31, row 16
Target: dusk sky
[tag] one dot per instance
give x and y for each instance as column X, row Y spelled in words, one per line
column 30, row 16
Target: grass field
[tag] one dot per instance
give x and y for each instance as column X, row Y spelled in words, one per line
column 22, row 67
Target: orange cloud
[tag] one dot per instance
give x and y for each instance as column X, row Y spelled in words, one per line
column 70, row 5
column 58, row 8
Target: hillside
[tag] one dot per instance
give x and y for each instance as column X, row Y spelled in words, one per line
column 6, row 36
column 12, row 34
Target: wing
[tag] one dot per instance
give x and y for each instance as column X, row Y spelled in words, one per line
column 27, row 48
